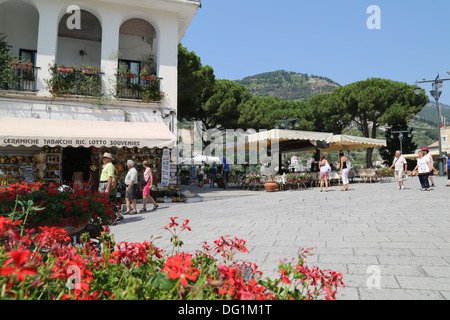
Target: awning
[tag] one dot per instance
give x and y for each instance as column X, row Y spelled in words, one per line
column 80, row 133
column 434, row 154
column 345, row 142
column 288, row 140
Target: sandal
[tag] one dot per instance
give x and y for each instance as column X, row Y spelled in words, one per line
column 143, row 210
column 133, row 212
column 155, row 207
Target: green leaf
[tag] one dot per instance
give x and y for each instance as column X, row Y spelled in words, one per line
column 160, row 281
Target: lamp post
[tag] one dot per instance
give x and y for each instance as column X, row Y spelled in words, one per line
column 401, row 135
column 436, row 94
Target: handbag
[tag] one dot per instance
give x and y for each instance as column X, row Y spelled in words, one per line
column 424, row 170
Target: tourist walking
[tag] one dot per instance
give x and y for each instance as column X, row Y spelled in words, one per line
column 325, row 170
column 225, row 172
column 212, row 175
column 200, row 174
column 429, row 158
column 401, row 166
column 148, row 180
column 423, row 168
column 131, row 181
column 344, row 172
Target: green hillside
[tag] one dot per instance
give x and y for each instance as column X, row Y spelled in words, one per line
column 288, row 85
column 429, row 112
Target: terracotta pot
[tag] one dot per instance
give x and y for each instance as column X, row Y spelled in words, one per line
column 89, row 71
column 65, row 69
column 23, row 66
column 149, row 78
column 129, row 76
column 270, row 186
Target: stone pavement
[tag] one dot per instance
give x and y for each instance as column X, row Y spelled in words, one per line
column 404, row 234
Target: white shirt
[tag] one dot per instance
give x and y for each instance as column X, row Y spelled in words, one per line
column 400, row 163
column 132, row 175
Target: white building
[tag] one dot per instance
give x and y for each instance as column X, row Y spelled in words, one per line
column 116, row 41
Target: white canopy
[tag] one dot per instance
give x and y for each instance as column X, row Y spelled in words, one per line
column 344, row 142
column 80, row 133
column 285, row 138
column 202, row 159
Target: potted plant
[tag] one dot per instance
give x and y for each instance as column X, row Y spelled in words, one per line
column 64, row 69
column 146, row 76
column 128, row 74
column 89, row 70
column 23, row 66
column 270, row 186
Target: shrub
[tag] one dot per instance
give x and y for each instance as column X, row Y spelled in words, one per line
column 55, row 208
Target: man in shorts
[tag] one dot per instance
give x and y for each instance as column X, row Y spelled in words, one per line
column 401, row 166
column 131, row 181
column 107, row 175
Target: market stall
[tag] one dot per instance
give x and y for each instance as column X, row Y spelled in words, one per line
column 41, row 150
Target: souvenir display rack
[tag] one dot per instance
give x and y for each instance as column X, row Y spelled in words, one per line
column 30, row 165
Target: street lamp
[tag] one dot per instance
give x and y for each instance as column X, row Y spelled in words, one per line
column 436, row 94
column 401, row 135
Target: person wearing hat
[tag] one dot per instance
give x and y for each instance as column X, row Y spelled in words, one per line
column 107, row 175
column 429, row 158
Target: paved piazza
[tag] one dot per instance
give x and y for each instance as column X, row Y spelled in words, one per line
column 403, row 233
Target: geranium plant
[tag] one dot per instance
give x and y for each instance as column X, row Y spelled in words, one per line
column 56, row 208
column 47, row 266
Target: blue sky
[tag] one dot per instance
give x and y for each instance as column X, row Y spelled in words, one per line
column 239, row 38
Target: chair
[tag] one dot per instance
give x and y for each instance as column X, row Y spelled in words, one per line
column 315, row 180
column 363, row 174
column 371, row 175
column 334, row 177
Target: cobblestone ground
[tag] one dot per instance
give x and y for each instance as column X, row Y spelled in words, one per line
column 403, row 233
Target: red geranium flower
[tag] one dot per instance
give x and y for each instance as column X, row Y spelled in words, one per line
column 179, row 267
column 19, row 258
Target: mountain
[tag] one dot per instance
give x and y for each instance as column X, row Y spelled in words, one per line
column 429, row 112
column 288, row 85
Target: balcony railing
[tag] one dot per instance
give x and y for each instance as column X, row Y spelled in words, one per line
column 129, row 86
column 75, row 81
column 21, row 78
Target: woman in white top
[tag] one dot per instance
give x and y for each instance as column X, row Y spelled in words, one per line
column 78, row 180
column 324, row 172
column 423, row 168
column 429, row 158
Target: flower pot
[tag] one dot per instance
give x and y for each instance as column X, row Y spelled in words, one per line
column 270, row 186
column 90, row 71
column 148, row 78
column 73, row 230
column 23, row 66
column 65, row 69
column 129, row 75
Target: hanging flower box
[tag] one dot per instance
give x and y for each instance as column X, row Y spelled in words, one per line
column 128, row 75
column 23, row 66
column 148, row 77
column 89, row 71
column 63, row 69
